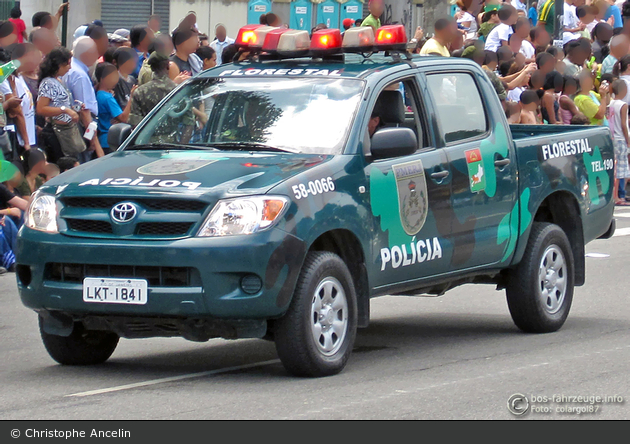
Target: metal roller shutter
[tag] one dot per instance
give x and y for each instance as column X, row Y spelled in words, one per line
column 117, row 14
column 163, row 9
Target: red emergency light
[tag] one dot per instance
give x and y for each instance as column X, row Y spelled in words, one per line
column 247, row 36
column 326, row 42
column 393, row 37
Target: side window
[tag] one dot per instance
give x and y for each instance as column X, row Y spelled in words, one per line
column 396, row 106
column 459, row 106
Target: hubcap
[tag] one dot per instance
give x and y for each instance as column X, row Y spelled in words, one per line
column 552, row 279
column 329, row 316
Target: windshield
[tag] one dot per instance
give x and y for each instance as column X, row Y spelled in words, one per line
column 299, row 115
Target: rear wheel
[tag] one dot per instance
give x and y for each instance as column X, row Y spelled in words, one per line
column 316, row 335
column 82, row 347
column 540, row 289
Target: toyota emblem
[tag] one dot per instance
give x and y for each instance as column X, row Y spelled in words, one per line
column 124, row 212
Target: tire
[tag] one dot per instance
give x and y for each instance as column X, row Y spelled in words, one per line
column 82, row 347
column 324, row 306
column 540, row 289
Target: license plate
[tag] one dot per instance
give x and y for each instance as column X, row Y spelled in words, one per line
column 115, row 291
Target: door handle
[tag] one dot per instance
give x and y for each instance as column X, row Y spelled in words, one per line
column 440, row 175
column 502, row 163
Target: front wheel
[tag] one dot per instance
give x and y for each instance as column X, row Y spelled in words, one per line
column 316, row 335
column 540, row 289
column 82, row 347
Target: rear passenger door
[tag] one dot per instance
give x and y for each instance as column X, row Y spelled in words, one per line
column 406, row 197
column 483, row 167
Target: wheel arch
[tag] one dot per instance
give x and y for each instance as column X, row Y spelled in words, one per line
column 348, row 247
column 563, row 209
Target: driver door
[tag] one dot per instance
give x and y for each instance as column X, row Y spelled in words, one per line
column 409, row 199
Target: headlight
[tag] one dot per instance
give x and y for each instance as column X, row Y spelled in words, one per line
column 243, row 215
column 42, row 213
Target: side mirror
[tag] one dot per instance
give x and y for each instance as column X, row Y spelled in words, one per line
column 393, row 142
column 118, row 133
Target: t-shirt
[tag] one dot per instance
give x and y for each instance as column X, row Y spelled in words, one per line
column 608, row 64
column 570, row 21
column 59, row 96
column 613, row 11
column 468, row 17
column 589, row 106
column 528, row 50
column 108, row 109
column 615, row 119
column 547, row 15
column 519, row 5
column 514, row 95
column 432, row 46
column 372, row 21
column 571, row 69
column 122, row 90
column 533, row 16
column 501, row 32
column 18, row 28
column 183, row 65
column 28, row 107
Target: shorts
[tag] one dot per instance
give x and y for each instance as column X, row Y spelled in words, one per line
column 621, row 160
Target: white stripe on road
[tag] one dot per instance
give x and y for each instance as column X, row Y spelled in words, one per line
column 172, row 379
column 622, row 232
column 622, row 214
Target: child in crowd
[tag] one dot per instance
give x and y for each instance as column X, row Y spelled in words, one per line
column 109, row 111
column 618, row 118
column 530, row 102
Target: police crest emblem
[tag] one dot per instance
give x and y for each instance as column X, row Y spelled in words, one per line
column 171, row 167
column 413, row 202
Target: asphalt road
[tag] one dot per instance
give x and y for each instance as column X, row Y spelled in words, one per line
column 454, row 357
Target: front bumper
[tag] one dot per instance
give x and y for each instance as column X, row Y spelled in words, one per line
column 216, row 291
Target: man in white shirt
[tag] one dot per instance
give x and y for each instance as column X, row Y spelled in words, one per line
column 221, row 42
column 501, row 33
column 519, row 5
column 571, row 23
column 522, row 28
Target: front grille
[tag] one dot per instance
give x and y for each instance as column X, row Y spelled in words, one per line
column 163, row 228
column 155, row 276
column 181, row 205
column 89, row 226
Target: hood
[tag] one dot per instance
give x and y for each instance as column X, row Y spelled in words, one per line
column 194, row 173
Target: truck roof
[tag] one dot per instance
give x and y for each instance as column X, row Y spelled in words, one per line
column 352, row 66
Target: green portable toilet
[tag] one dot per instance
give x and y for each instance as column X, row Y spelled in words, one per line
column 328, row 13
column 301, row 15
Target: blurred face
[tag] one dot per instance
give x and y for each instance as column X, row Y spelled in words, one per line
column 146, row 42
column 586, row 84
column 45, row 41
column 109, row 81
column 64, row 68
column 605, row 35
column 128, row 67
column 570, row 89
column 168, row 43
column 8, row 40
column 515, row 43
column 17, row 180
column 531, row 107
column 221, row 33
column 542, row 38
column 30, row 61
column 90, row 56
column 513, row 18
column 155, row 24
column 210, row 63
column 101, row 45
column 623, row 91
column 376, row 8
column 190, row 45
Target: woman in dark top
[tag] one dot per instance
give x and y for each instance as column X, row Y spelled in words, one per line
column 550, row 104
column 126, row 60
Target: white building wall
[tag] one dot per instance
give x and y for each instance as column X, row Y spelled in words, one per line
column 81, row 12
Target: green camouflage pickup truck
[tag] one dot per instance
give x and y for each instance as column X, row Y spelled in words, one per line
column 274, row 198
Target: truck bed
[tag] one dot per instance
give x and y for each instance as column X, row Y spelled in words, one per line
column 520, row 132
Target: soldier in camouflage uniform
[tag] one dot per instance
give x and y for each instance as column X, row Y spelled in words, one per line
column 147, row 96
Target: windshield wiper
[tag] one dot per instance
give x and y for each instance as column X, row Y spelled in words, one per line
column 248, row 146
column 168, row 146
